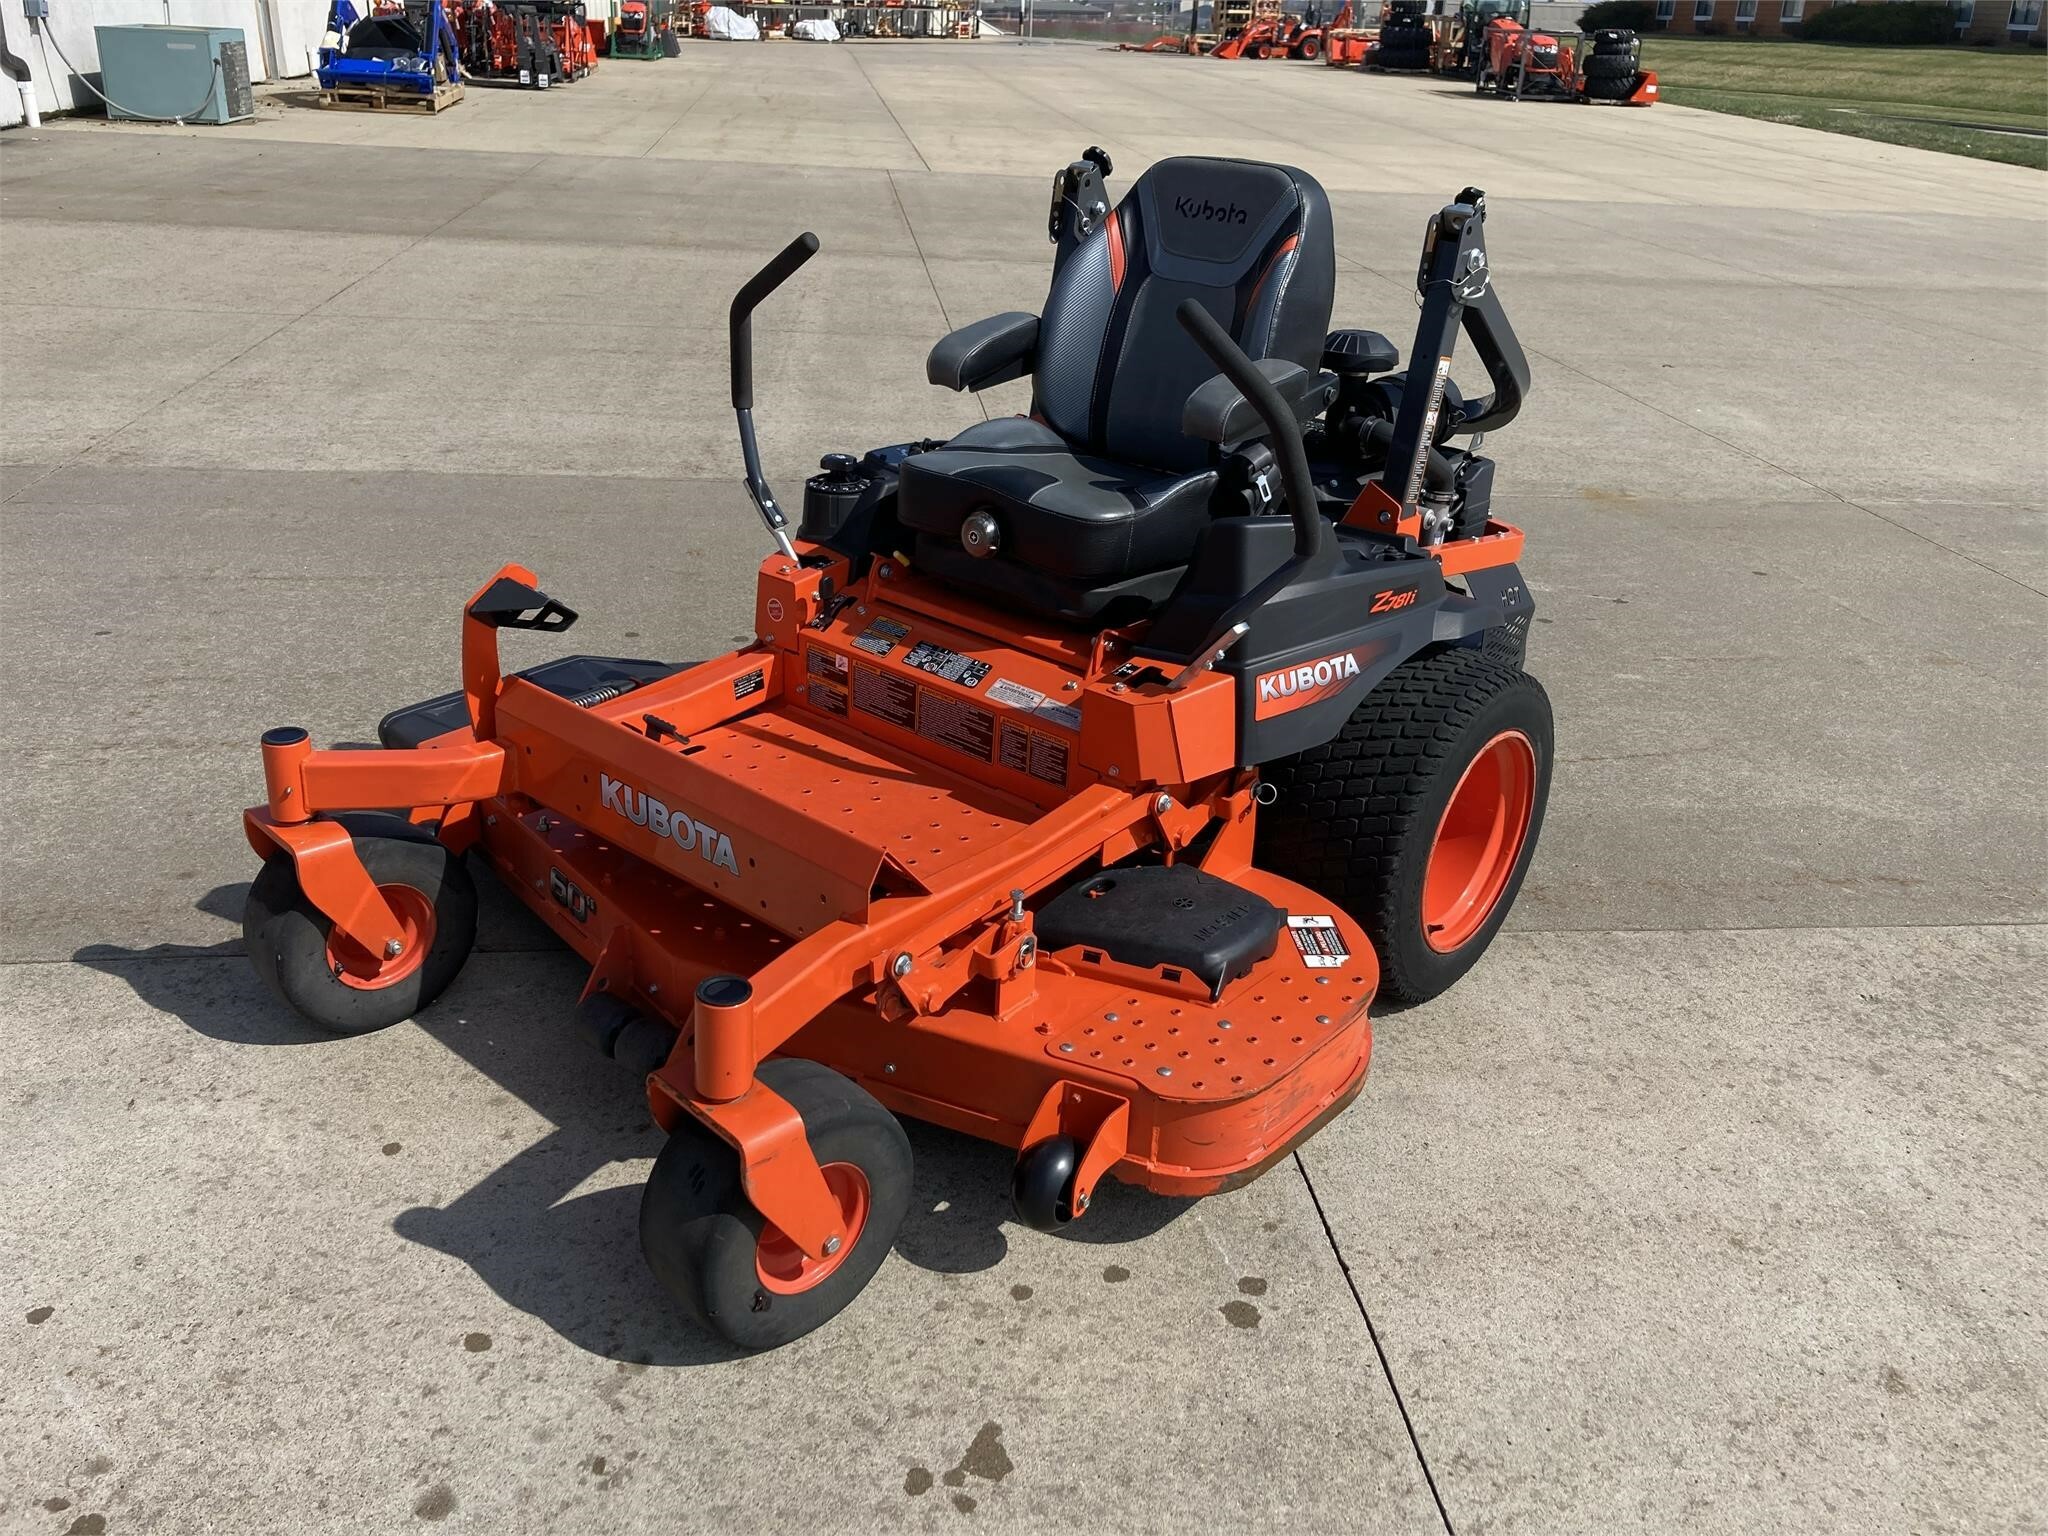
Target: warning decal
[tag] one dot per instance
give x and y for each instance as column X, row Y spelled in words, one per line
column 1017, row 696
column 1321, row 946
column 955, row 723
column 824, row 696
column 893, row 699
column 950, row 665
column 1048, row 759
column 880, row 637
column 823, row 663
column 751, row 682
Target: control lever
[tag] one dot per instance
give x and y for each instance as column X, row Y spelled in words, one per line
column 1298, row 488
column 764, row 282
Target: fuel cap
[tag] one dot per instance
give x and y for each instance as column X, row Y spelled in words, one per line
column 980, row 534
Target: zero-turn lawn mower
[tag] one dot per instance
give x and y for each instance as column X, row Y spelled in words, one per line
column 1091, row 773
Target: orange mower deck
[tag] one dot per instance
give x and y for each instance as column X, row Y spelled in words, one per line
column 893, row 853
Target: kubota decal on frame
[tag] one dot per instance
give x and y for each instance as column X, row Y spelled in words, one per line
column 1310, row 682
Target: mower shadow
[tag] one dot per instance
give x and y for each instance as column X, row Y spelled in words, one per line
column 554, row 1230
column 224, row 1003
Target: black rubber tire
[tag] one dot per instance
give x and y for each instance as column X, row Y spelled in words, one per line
column 286, row 935
column 1309, row 48
column 1611, row 90
column 1355, row 817
column 1600, row 67
column 1612, row 40
column 699, row 1232
column 1042, row 1183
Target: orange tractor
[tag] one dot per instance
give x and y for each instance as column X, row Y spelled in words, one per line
column 1516, row 62
column 1282, row 37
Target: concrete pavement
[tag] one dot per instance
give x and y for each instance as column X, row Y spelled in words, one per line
column 1705, row 1203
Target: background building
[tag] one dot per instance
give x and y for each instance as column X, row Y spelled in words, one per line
column 1977, row 21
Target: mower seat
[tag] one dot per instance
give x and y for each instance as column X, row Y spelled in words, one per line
column 1096, row 499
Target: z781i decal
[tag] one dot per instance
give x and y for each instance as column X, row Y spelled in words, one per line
column 1393, row 599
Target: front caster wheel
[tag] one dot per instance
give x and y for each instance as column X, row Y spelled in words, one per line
column 720, row 1258
column 331, row 981
column 1042, row 1184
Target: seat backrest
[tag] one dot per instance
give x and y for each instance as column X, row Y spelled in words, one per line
column 1252, row 242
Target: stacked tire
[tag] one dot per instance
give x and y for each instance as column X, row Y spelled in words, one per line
column 1404, row 46
column 1612, row 67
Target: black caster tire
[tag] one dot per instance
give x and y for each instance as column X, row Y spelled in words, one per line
column 716, row 1255
column 1421, row 817
column 329, row 981
column 1042, row 1183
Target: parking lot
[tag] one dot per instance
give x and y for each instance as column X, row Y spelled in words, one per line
column 1710, row 1201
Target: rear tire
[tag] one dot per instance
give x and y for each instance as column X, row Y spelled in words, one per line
column 1364, row 818
column 718, row 1257
column 320, row 975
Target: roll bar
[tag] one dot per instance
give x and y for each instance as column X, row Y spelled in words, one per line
column 1456, row 286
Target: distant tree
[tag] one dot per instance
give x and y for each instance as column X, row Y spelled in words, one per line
column 1633, row 15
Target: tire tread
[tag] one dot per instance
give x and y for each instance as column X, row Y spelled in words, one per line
column 1345, row 821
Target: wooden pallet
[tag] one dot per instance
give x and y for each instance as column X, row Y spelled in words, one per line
column 372, row 98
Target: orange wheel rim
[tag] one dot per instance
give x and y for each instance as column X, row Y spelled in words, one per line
column 785, row 1268
column 1479, row 841
column 354, row 966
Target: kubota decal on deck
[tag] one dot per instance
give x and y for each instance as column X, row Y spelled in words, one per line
column 1310, row 682
column 685, row 831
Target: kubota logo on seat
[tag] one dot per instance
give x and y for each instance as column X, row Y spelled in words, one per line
column 1310, row 682
column 685, row 831
column 1215, row 213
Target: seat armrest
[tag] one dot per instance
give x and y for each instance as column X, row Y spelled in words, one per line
column 1217, row 413
column 988, row 352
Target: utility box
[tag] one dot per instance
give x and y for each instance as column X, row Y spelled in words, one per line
column 157, row 73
